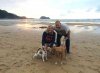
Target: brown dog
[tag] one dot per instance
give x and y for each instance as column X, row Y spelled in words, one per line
column 59, row 53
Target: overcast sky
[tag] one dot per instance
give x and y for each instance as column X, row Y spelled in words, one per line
column 53, row 8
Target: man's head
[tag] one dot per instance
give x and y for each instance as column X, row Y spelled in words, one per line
column 58, row 24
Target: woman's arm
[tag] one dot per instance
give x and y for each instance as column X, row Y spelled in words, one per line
column 54, row 39
column 43, row 38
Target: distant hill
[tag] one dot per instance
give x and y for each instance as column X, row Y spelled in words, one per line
column 6, row 15
column 44, row 17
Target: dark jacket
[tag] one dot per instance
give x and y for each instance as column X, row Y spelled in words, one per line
column 48, row 38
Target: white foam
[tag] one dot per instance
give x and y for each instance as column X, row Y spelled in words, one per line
column 81, row 28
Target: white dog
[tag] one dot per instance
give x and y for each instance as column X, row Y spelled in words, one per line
column 41, row 53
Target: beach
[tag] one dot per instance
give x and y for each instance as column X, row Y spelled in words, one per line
column 19, row 42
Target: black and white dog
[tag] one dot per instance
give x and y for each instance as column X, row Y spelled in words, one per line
column 41, row 53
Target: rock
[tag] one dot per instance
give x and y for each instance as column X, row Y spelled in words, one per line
column 6, row 15
column 44, row 17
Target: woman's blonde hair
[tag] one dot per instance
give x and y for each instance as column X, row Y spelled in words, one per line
column 49, row 26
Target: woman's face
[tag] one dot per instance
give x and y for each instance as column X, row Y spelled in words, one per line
column 50, row 29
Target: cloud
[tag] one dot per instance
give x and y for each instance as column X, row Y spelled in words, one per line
column 98, row 9
column 53, row 8
column 10, row 4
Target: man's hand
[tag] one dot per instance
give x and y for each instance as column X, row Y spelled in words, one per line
column 65, row 38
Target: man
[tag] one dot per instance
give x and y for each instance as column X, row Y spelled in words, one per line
column 63, row 30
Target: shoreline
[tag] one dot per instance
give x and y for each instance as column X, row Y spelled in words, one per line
column 74, row 27
column 52, row 21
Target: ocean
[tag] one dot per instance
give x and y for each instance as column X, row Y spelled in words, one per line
column 68, row 20
column 84, row 24
column 7, row 22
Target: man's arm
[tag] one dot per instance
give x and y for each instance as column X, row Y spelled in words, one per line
column 68, row 34
column 67, row 29
column 55, row 36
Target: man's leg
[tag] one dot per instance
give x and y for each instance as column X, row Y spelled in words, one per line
column 58, row 40
column 68, row 45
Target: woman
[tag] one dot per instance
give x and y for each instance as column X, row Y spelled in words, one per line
column 48, row 37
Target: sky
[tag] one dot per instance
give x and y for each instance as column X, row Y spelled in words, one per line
column 55, row 9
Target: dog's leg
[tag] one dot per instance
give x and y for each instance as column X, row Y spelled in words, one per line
column 61, row 58
column 43, row 58
column 56, row 57
column 56, row 62
column 46, row 56
column 64, row 55
column 34, row 56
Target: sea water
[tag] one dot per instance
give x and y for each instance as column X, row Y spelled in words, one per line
column 75, row 28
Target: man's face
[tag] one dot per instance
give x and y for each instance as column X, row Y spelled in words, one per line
column 58, row 24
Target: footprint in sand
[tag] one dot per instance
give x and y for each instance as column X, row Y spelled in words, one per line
column 23, row 47
column 3, row 68
column 80, row 56
column 6, row 32
column 94, row 68
column 18, row 64
column 81, row 72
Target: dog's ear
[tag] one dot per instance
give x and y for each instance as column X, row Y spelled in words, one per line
column 42, row 48
column 38, row 49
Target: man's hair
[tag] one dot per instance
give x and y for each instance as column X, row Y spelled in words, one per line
column 57, row 21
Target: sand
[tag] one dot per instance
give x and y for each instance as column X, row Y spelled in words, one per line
column 19, row 43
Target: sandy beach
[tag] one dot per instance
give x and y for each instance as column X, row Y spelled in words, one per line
column 19, row 42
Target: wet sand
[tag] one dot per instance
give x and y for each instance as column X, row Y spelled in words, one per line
column 18, row 44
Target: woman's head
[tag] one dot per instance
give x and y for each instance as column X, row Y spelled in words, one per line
column 50, row 29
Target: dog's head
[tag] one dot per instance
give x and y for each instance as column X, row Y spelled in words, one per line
column 40, row 51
